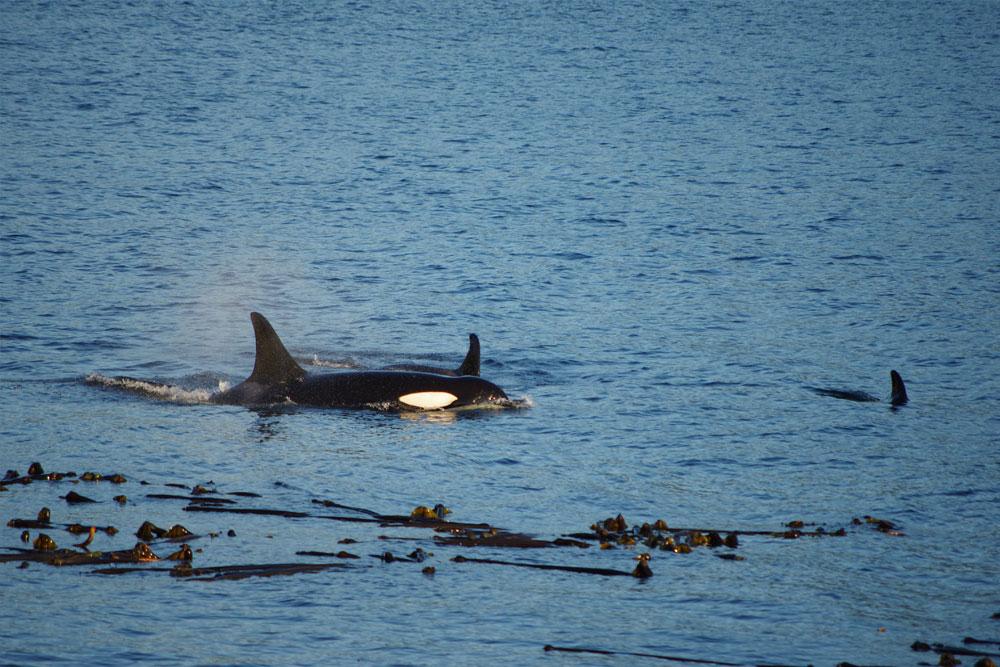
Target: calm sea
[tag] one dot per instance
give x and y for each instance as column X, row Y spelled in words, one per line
column 665, row 221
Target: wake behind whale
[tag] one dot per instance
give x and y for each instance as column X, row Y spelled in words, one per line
column 150, row 389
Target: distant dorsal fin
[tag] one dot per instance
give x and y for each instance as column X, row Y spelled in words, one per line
column 273, row 364
column 898, row 396
column 471, row 364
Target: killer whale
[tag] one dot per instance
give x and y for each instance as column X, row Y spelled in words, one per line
column 897, row 395
column 470, row 366
column 277, row 378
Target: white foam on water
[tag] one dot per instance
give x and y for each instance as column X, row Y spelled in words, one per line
column 166, row 392
column 322, row 363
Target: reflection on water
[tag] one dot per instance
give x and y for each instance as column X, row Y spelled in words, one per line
column 268, row 423
column 434, row 417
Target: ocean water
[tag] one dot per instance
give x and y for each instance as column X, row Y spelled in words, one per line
column 665, row 221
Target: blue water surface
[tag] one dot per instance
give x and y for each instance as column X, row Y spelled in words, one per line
column 665, row 221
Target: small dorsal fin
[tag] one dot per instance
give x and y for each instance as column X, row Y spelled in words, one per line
column 273, row 364
column 471, row 364
column 898, row 396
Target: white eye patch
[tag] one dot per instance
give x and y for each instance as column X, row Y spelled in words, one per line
column 428, row 400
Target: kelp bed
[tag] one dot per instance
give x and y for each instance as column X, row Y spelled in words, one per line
column 436, row 531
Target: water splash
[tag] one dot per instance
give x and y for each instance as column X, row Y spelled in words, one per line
column 157, row 390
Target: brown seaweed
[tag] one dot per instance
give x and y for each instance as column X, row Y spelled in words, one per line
column 75, row 528
column 114, row 478
column 13, row 477
column 416, row 556
column 44, row 543
column 192, row 499
column 139, row 553
column 327, row 554
column 945, row 649
column 615, row 531
column 495, row 538
column 381, row 519
column 150, row 531
column 609, row 533
column 231, row 572
column 700, row 661
column 75, row 498
column 596, row 651
column 226, row 572
column 538, row 566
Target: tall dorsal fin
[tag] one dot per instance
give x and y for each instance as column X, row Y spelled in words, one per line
column 471, row 364
column 273, row 364
column 898, row 396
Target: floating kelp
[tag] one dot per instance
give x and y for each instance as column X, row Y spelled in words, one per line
column 114, row 478
column 54, row 556
column 538, row 566
column 225, row 572
column 416, row 556
column 177, row 531
column 184, row 553
column 150, row 531
column 595, row 651
column 75, row 528
column 35, row 555
column 44, row 543
column 881, row 525
column 192, row 499
column 36, row 473
column 288, row 514
column 642, row 570
column 438, row 512
column 948, row 652
column 381, row 519
column 972, row 640
column 29, row 523
column 13, row 477
column 612, row 532
column 327, row 554
column 74, row 498
column 498, row 538
column 140, row 552
column 330, row 503
column 90, row 538
column 231, row 572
